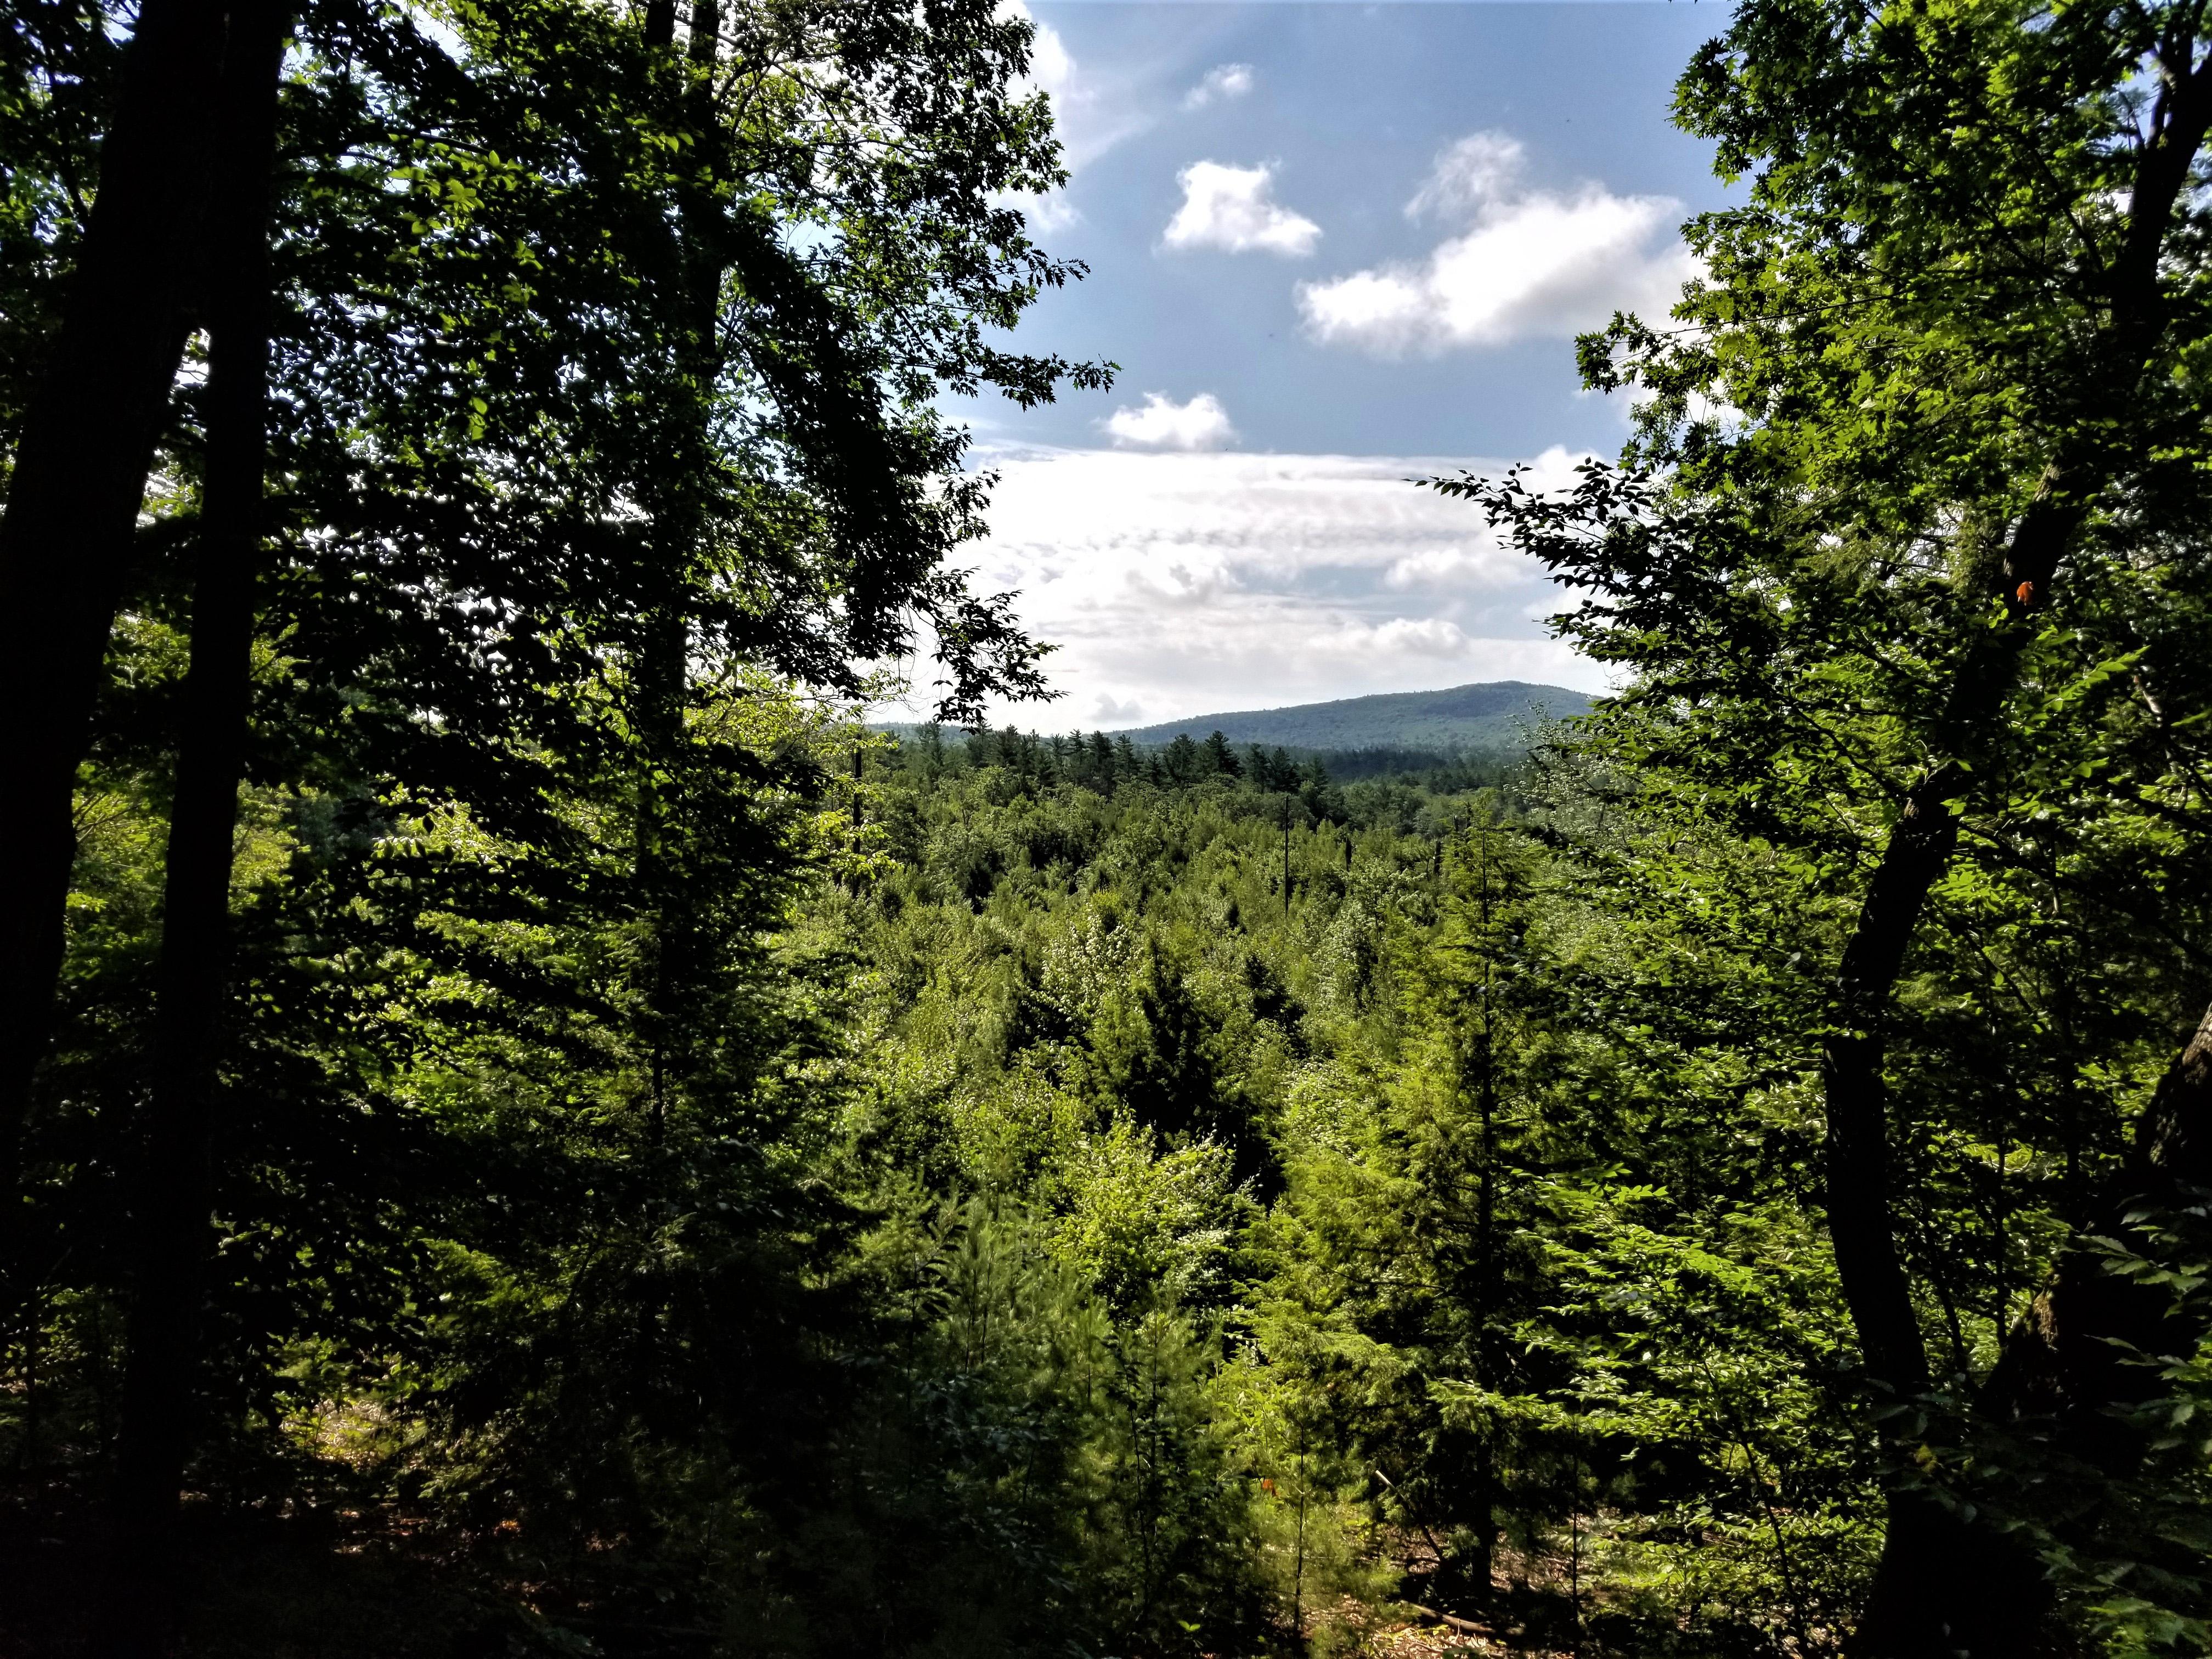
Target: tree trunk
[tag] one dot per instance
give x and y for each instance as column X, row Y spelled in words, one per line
column 175, row 1194
column 660, row 674
column 65, row 544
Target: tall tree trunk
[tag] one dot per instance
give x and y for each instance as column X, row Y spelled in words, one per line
column 697, row 260
column 65, row 544
column 172, row 1241
column 1943, row 1587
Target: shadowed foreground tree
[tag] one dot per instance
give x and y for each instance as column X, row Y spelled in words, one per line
column 173, row 1183
column 83, row 446
column 1920, row 605
column 507, row 312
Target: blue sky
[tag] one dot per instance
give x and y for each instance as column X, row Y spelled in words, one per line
column 1332, row 246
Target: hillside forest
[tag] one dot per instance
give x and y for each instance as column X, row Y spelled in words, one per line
column 528, row 1128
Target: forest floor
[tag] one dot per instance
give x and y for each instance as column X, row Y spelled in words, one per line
column 1392, row 1635
column 1532, row 1611
column 333, row 1583
column 374, row 1583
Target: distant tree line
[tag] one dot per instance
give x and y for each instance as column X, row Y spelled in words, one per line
column 1103, row 761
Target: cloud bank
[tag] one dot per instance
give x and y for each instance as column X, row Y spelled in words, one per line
column 1531, row 262
column 1179, row 583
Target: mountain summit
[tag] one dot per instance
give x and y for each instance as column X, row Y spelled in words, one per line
column 1490, row 715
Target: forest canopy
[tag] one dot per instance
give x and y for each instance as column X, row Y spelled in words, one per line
column 527, row 1127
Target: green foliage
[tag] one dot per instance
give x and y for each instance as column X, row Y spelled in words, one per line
column 1909, row 527
column 694, row 1171
column 1528, row 1324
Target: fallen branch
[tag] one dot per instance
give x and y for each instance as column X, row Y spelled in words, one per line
column 1464, row 1626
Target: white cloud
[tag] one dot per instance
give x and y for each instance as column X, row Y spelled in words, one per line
column 1159, row 423
column 1186, row 583
column 1223, row 82
column 1429, row 636
column 1051, row 65
column 1531, row 262
column 1052, row 71
column 1090, row 113
column 1106, row 711
column 1234, row 208
column 1479, row 168
column 1047, row 213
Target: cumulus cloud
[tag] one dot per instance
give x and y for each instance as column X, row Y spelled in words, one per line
column 1219, row 84
column 1479, row 169
column 1427, row 636
column 1530, row 261
column 1234, row 208
column 1046, row 213
column 1160, row 423
column 1183, row 583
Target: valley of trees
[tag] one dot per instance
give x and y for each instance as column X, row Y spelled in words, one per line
column 527, row 1128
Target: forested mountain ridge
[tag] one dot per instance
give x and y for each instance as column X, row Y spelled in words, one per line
column 526, row 1129
column 1492, row 715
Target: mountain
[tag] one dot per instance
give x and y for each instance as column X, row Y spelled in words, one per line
column 1492, row 715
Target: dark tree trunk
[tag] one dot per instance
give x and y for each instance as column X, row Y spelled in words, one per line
column 65, row 544
column 1860, row 1220
column 667, row 1025
column 172, row 1239
column 697, row 257
column 1489, row 1293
